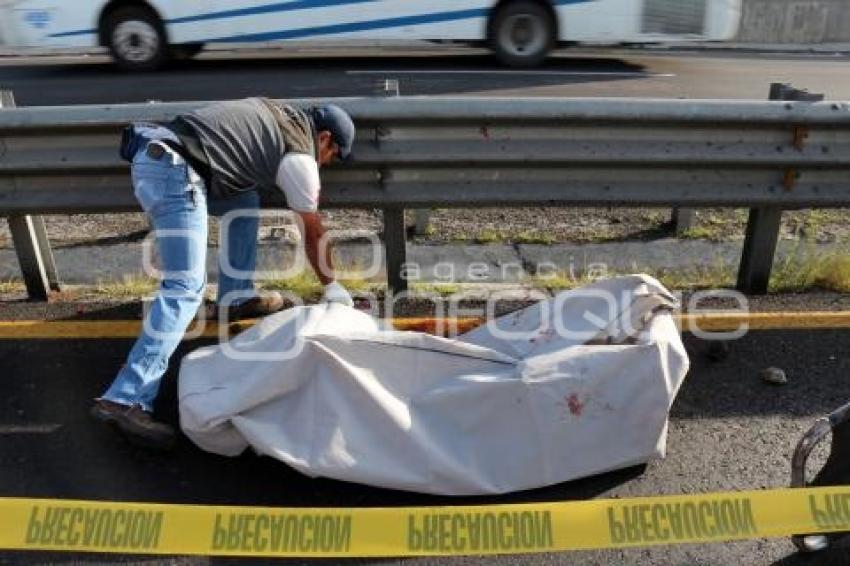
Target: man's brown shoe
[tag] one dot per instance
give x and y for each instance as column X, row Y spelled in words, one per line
column 136, row 423
column 255, row 307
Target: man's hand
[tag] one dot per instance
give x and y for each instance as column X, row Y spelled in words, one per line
column 316, row 247
column 336, row 293
column 320, row 258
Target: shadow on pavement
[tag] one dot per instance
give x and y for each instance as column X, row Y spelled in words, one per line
column 837, row 555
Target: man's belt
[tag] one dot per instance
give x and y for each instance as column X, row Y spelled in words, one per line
column 189, row 148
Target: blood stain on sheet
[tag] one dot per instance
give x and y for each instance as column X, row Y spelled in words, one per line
column 575, row 406
column 543, row 336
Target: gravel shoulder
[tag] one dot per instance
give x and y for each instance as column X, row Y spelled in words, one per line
column 510, row 225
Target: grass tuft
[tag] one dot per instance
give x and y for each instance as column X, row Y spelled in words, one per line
column 12, row 286
column 307, row 286
column 799, row 272
column 130, row 287
column 716, row 275
column 712, row 234
column 560, row 281
column 489, row 236
column 442, row 289
column 834, row 274
column 535, row 237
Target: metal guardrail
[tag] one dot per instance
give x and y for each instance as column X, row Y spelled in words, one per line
column 416, row 152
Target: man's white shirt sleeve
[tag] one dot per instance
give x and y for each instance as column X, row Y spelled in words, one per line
column 298, row 178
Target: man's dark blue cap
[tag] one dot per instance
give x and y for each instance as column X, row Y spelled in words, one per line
column 334, row 119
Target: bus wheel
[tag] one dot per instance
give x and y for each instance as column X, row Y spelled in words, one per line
column 185, row 51
column 136, row 38
column 521, row 33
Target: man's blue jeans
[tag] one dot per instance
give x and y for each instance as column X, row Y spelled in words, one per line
column 173, row 196
column 238, row 276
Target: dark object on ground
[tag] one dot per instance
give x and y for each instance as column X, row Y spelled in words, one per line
column 774, row 376
column 836, row 471
column 718, row 350
column 255, row 307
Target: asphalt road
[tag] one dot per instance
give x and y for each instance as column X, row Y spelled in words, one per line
column 729, row 431
column 38, row 81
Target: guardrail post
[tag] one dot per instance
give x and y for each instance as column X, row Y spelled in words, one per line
column 391, row 88
column 422, row 220
column 32, row 247
column 683, row 219
column 29, row 256
column 759, row 249
column 395, row 243
column 764, row 223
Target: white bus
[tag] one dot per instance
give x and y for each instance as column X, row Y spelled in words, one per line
column 143, row 34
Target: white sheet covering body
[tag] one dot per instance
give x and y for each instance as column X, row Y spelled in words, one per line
column 569, row 387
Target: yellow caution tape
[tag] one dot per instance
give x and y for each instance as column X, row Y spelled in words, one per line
column 706, row 322
column 140, row 528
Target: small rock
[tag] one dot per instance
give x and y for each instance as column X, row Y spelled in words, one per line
column 826, row 238
column 773, row 375
column 285, row 234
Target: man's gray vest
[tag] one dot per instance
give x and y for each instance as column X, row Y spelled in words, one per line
column 245, row 140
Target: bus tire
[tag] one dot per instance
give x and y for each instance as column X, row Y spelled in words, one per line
column 136, row 38
column 521, row 33
column 185, row 51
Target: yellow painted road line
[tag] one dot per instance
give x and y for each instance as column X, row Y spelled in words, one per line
column 100, row 329
column 707, row 322
column 728, row 321
column 440, row 326
column 62, row 329
column 140, row 528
